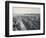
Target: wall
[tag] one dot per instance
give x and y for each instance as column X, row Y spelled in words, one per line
column 2, row 20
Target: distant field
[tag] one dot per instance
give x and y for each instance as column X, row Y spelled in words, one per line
column 26, row 22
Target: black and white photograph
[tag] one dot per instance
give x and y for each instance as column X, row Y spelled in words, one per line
column 24, row 18
column 26, row 21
